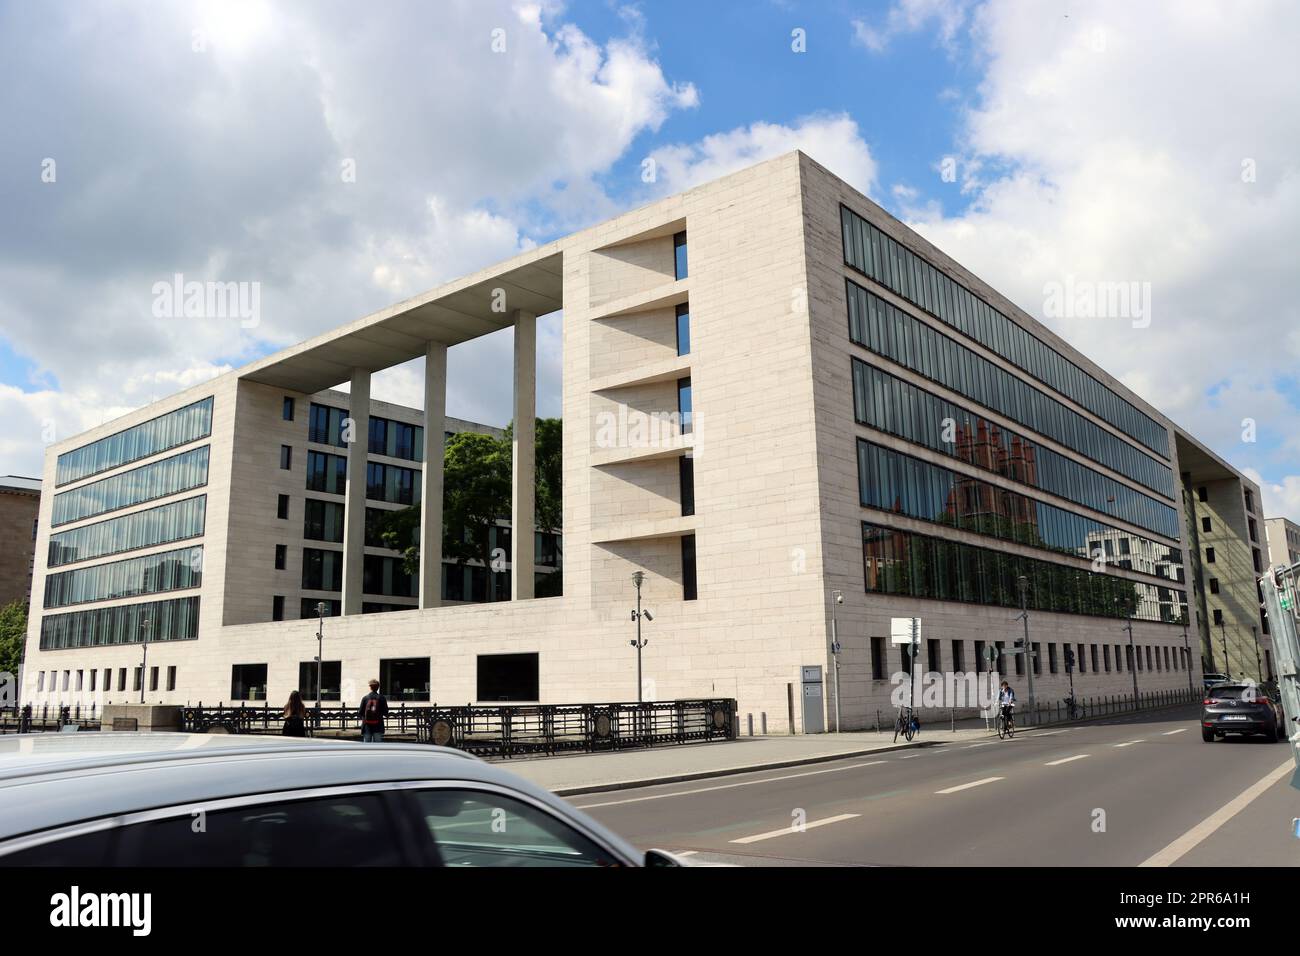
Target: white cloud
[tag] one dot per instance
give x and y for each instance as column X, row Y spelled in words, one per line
column 834, row 140
column 909, row 16
column 226, row 163
column 1109, row 146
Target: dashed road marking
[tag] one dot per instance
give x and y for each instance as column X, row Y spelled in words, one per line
column 973, row 783
column 727, row 786
column 1128, row 743
column 1169, row 733
column 1057, row 763
column 786, row 830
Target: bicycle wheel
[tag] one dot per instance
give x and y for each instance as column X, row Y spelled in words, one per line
column 1011, row 726
column 909, row 731
column 898, row 725
column 1002, row 728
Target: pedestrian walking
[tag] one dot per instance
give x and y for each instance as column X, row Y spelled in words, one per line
column 374, row 707
column 295, row 714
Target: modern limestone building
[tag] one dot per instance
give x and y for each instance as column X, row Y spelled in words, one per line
column 1283, row 536
column 773, row 393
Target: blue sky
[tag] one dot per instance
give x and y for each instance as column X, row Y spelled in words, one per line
column 1100, row 141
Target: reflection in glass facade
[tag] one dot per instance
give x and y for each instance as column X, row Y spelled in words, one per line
column 323, row 521
column 328, row 473
column 889, row 331
column 892, row 405
column 921, row 566
column 322, row 570
column 396, row 439
column 325, row 425
column 150, row 574
column 173, row 620
column 167, row 477
column 176, row 521
column 901, row 484
column 139, row 441
column 381, row 575
column 392, row 483
column 896, row 267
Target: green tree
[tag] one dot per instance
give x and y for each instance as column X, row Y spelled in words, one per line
column 476, row 493
column 13, row 632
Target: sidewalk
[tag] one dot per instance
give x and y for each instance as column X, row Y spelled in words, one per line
column 620, row 770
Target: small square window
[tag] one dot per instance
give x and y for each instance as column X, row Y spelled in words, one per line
column 1214, row 585
column 277, row 607
column 287, row 412
column 1203, row 494
column 1205, row 524
column 282, row 506
column 286, row 457
column 171, row 677
column 1209, row 555
column 281, row 556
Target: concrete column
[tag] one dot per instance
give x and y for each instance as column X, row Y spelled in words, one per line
column 435, row 413
column 354, row 517
column 523, row 462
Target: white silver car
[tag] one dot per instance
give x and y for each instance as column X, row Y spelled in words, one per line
column 120, row 799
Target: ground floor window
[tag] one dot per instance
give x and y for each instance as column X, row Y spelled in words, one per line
column 508, row 677
column 248, row 682
column 331, row 680
column 404, row 678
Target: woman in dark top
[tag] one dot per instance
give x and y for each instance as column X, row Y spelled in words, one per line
column 295, row 713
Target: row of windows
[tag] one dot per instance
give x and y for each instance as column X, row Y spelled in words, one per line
column 891, row 481
column 921, row 566
column 384, row 575
column 140, row 441
column 150, row 574
column 322, row 570
column 889, row 331
column 157, row 480
column 173, row 620
column 1101, row 657
column 896, row 267
column 886, row 402
column 386, row 436
column 106, row 687
column 175, row 521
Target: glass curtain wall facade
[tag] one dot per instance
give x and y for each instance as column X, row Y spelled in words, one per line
column 891, row 481
column 161, row 478
column 892, row 405
column 177, row 521
column 140, row 441
column 172, row 620
column 169, row 571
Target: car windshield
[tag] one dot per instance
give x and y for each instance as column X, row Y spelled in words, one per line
column 1231, row 693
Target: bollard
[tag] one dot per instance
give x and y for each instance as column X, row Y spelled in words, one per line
column 749, row 719
column 763, row 722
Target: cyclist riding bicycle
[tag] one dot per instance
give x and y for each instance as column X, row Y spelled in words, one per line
column 1006, row 699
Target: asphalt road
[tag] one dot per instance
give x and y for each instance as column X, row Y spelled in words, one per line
column 1133, row 790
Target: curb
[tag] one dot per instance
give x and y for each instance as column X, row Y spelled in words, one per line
column 734, row 771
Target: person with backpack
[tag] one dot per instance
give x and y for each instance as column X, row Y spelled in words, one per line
column 373, row 710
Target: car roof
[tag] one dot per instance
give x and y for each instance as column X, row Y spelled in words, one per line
column 54, row 780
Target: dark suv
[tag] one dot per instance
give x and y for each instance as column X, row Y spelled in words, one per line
column 1240, row 709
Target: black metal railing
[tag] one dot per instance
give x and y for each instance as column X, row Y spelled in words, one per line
column 48, row 718
column 499, row 730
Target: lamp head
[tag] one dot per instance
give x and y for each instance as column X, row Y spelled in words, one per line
column 638, row 577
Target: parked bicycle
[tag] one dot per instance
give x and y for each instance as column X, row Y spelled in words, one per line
column 1072, row 708
column 907, row 724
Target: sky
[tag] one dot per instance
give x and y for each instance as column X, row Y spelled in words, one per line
column 339, row 157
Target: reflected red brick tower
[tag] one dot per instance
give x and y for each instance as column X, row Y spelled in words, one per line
column 971, row 498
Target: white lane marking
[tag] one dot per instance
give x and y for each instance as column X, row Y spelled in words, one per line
column 1057, row 763
column 1170, row 733
column 1189, row 840
column 1044, row 733
column 784, row 830
column 909, row 757
column 1129, row 743
column 685, row 852
column 967, row 786
column 728, row 786
column 987, row 743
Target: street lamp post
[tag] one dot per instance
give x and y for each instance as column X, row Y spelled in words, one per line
column 1133, row 654
column 144, row 661
column 637, row 615
column 837, row 597
column 1187, row 650
column 1023, row 583
column 321, row 607
column 1227, row 665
